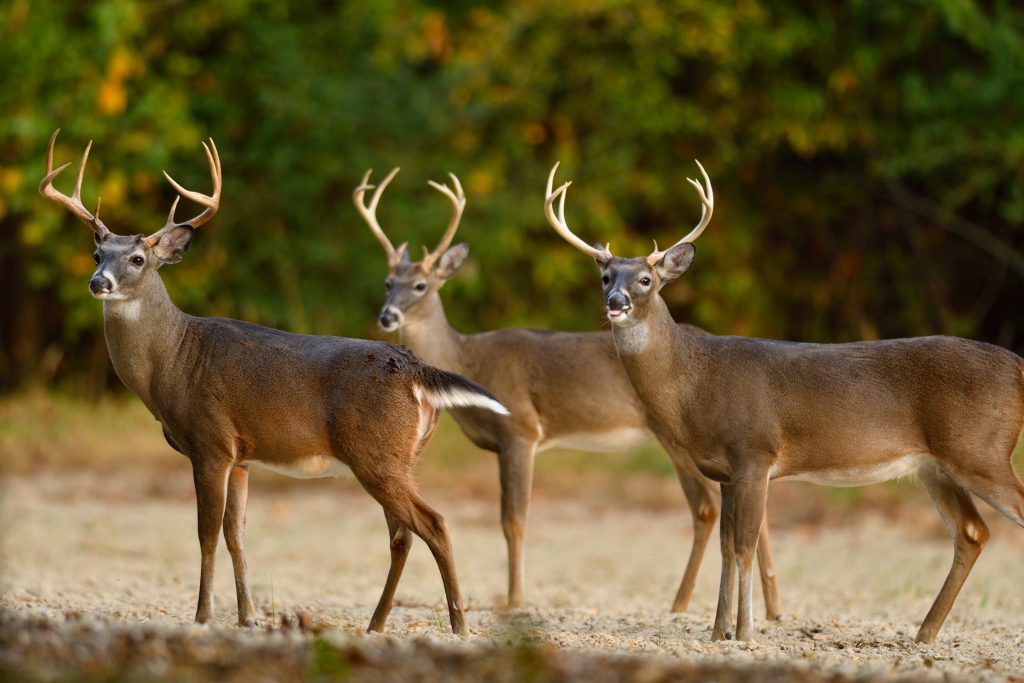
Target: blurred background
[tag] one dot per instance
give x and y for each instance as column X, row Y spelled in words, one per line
column 867, row 160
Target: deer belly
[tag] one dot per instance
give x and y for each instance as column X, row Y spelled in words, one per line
column 604, row 442
column 309, row 467
column 857, row 476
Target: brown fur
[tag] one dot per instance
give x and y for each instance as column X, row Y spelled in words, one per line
column 557, row 384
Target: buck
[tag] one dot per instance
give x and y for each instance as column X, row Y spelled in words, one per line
column 751, row 410
column 564, row 389
column 232, row 395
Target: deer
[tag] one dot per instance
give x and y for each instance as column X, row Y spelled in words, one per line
column 231, row 396
column 564, row 389
column 750, row 411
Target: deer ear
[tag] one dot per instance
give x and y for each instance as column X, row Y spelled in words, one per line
column 173, row 243
column 452, row 260
column 675, row 262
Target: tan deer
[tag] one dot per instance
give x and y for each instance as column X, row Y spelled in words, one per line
column 564, row 389
column 752, row 410
column 231, row 395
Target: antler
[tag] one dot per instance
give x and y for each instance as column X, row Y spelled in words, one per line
column 74, row 202
column 707, row 208
column 369, row 213
column 559, row 224
column 211, row 202
column 458, row 199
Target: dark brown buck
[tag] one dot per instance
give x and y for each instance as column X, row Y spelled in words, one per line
column 563, row 388
column 231, row 395
column 752, row 410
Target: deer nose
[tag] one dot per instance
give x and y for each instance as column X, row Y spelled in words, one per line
column 100, row 285
column 618, row 301
column 389, row 318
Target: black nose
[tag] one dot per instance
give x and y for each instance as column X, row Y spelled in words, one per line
column 99, row 285
column 618, row 301
column 387, row 318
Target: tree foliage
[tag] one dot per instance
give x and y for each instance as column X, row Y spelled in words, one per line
column 867, row 158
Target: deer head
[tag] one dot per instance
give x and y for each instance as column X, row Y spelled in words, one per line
column 410, row 283
column 630, row 284
column 125, row 261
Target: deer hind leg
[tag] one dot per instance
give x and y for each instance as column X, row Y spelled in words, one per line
column 234, row 534
column 703, row 503
column 969, row 536
column 211, row 481
column 515, row 463
column 396, row 493
column 726, row 588
column 400, row 543
column 766, row 566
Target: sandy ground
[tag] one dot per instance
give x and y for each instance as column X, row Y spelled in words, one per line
column 600, row 577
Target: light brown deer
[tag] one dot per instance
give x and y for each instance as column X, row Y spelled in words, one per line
column 231, row 395
column 564, row 389
column 752, row 410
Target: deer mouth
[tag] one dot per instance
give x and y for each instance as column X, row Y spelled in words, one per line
column 619, row 315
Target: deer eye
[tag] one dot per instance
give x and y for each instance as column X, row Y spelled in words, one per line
column 420, row 286
column 605, row 279
column 645, row 281
column 96, row 257
column 137, row 261
column 387, row 285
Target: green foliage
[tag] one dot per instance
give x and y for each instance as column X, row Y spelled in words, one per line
column 867, row 158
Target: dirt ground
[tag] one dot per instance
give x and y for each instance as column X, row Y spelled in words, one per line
column 600, row 577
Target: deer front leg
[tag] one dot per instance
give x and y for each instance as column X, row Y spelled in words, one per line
column 515, row 462
column 723, row 615
column 704, row 508
column 750, row 496
column 234, row 534
column 211, row 480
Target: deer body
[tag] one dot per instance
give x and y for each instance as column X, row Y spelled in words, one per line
column 751, row 410
column 564, row 389
column 231, row 395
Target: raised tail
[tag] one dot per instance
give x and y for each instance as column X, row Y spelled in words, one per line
column 445, row 389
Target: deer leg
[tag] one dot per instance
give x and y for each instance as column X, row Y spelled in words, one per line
column 749, row 505
column 723, row 615
column 704, row 508
column 403, row 506
column 211, row 481
column 969, row 534
column 766, row 565
column 234, row 533
column 400, row 542
column 515, row 463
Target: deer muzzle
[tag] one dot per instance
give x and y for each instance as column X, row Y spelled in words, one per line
column 618, row 305
column 390, row 319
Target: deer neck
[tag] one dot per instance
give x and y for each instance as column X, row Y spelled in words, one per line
column 143, row 335
column 656, row 354
column 431, row 337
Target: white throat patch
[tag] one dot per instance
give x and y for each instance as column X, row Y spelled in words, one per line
column 631, row 339
column 130, row 309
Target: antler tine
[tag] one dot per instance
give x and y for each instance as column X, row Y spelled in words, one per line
column 211, row 202
column 559, row 224
column 458, row 200
column 707, row 201
column 369, row 213
column 74, row 202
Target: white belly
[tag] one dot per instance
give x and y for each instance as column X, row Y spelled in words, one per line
column 310, row 467
column 604, row 442
column 860, row 476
